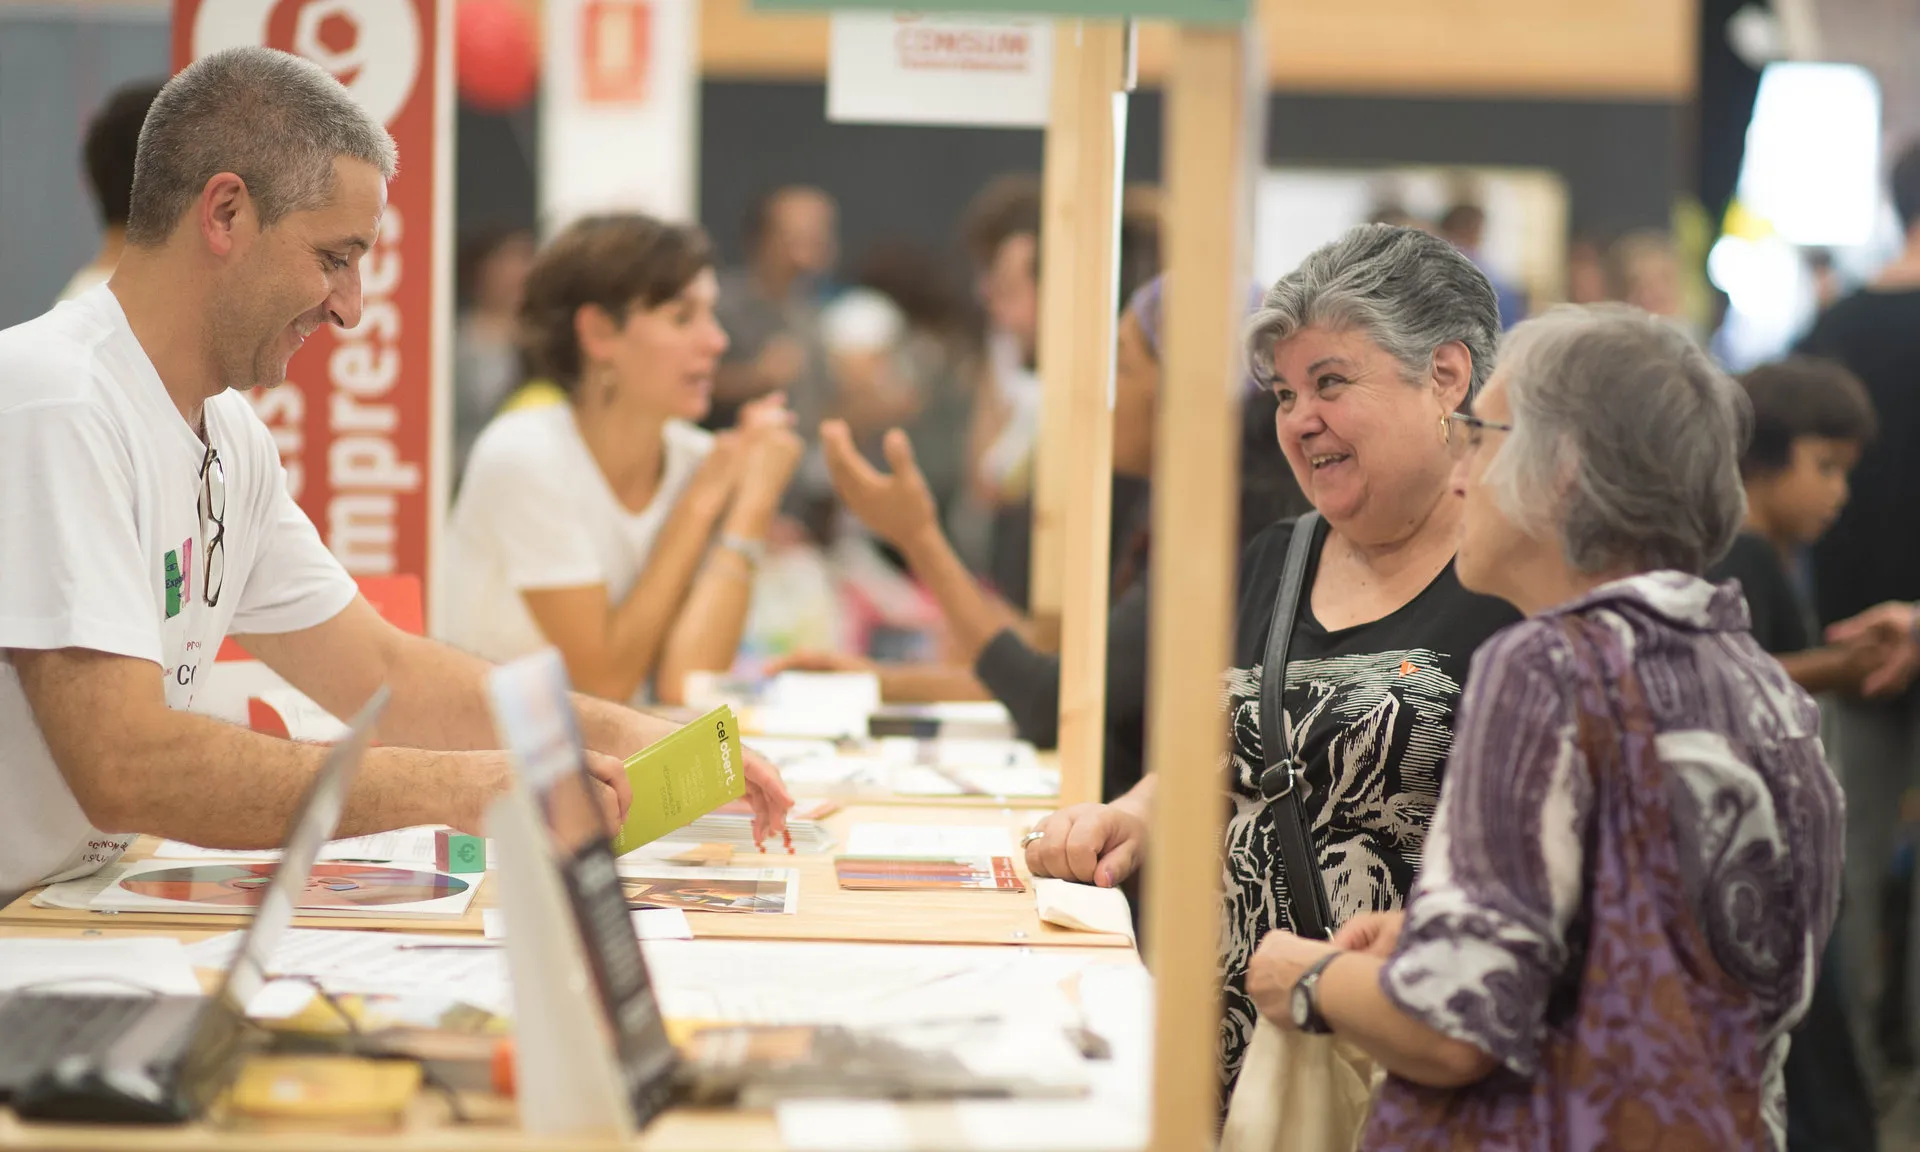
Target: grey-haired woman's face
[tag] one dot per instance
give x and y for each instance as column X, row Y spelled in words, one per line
column 1367, row 446
column 1489, row 539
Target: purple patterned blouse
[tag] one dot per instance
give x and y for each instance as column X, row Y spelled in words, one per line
column 1630, row 932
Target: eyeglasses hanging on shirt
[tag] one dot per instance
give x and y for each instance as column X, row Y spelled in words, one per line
column 213, row 508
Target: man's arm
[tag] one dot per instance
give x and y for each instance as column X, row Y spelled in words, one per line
column 1830, row 669
column 440, row 701
column 193, row 778
column 439, row 693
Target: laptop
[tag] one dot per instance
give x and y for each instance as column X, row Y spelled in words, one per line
column 157, row 1059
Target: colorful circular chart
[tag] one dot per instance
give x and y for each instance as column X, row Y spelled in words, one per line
column 330, row 885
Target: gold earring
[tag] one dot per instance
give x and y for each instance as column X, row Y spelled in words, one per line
column 1446, row 428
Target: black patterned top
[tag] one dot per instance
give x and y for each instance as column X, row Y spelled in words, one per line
column 1370, row 710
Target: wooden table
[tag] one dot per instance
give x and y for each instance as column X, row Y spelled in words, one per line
column 825, row 913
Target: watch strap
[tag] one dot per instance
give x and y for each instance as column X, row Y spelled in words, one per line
column 1309, row 986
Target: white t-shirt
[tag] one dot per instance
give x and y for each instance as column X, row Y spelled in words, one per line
column 534, row 512
column 101, row 548
column 84, row 281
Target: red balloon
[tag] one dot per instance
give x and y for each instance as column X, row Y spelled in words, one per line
column 496, row 59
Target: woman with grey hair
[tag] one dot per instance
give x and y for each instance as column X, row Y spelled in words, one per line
column 1637, row 854
column 1369, row 347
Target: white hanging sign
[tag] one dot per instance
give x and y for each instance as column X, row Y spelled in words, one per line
column 619, row 109
column 907, row 68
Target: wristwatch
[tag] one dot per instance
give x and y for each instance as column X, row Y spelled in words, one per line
column 1306, row 999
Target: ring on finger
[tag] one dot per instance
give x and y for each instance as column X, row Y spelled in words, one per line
column 1032, row 836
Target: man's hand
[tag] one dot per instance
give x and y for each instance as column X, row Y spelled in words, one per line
column 1889, row 626
column 1374, row 933
column 767, row 794
column 896, row 507
column 611, row 788
column 1276, row 967
column 1091, row 843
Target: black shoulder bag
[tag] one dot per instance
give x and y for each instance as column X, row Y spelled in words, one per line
column 1280, row 781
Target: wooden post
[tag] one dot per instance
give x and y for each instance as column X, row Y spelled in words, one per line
column 1076, row 438
column 1196, row 452
column 1060, row 245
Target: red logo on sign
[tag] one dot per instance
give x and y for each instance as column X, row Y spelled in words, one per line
column 354, row 420
column 615, row 51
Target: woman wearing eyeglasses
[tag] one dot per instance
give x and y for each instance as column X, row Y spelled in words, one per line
column 1369, row 347
column 1637, row 855
column 611, row 527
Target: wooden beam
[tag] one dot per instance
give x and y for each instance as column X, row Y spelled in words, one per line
column 1079, row 266
column 1196, row 448
column 1567, row 49
column 1061, row 243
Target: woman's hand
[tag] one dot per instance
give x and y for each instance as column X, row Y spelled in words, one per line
column 1090, row 843
column 1276, row 967
column 770, row 451
column 896, row 507
column 767, row 795
column 820, row 662
column 714, row 480
column 1374, row 933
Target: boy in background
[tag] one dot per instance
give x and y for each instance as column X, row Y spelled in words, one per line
column 1811, row 420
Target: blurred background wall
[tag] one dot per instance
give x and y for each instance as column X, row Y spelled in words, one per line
column 1597, row 91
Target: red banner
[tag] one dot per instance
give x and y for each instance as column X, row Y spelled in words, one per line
column 356, row 421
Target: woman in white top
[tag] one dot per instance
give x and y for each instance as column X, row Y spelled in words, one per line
column 610, row 526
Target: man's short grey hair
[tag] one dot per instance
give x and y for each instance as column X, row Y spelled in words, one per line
column 1627, row 440
column 1408, row 291
column 275, row 120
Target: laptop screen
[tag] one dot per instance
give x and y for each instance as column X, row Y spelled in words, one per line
column 313, row 825
column 535, row 715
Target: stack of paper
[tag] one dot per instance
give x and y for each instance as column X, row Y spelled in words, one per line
column 732, row 824
column 823, row 705
column 137, row 966
column 965, row 719
column 380, row 963
column 929, row 840
column 963, row 767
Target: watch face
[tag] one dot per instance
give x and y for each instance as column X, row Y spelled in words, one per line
column 1302, row 1007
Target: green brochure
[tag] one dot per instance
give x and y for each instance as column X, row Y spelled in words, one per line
column 683, row 777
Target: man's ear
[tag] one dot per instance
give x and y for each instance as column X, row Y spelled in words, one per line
column 223, row 212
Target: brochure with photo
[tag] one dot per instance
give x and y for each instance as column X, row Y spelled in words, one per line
column 882, row 873
column 753, row 890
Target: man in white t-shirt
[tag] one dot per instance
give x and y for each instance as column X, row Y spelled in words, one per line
column 144, row 515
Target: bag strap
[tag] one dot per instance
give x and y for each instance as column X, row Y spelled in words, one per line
column 1279, row 782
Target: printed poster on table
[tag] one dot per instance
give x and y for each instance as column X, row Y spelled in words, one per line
column 361, row 421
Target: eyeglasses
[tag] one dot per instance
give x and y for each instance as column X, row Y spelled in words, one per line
column 1475, row 426
column 213, row 508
